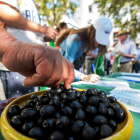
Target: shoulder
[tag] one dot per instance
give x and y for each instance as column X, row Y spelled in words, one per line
column 73, row 36
column 131, row 42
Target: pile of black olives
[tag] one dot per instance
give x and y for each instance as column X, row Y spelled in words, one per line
column 62, row 114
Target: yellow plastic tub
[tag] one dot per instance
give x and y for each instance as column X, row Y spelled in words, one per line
column 123, row 132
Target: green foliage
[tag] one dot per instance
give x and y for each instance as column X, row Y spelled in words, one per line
column 118, row 10
column 55, row 9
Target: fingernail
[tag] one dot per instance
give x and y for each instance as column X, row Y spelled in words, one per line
column 69, row 86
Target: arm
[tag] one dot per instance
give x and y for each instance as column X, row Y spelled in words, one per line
column 36, row 62
column 126, row 55
column 11, row 17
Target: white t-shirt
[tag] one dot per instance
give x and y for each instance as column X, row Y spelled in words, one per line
column 28, row 9
column 128, row 47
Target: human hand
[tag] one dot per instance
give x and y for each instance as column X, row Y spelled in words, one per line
column 91, row 78
column 120, row 53
column 41, row 65
column 49, row 34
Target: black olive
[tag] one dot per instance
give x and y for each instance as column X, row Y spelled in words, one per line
column 102, row 109
column 83, row 99
column 105, row 101
column 88, row 133
column 16, row 122
column 120, row 115
column 47, row 111
column 94, row 100
column 33, row 96
column 96, row 91
column 67, row 111
column 76, row 105
column 55, row 102
column 113, row 124
column 57, row 91
column 36, row 133
column 116, row 105
column 27, row 127
column 105, row 131
column 61, row 104
column 49, row 124
column 40, row 121
column 80, row 115
column 63, row 97
column 101, row 93
column 44, row 99
column 71, row 96
column 55, row 96
column 110, row 112
column 57, row 115
column 91, row 92
column 83, row 92
column 70, row 138
column 112, row 99
column 77, row 126
column 30, row 114
column 90, row 110
column 56, row 135
column 13, row 110
column 30, row 104
column 62, row 122
column 97, row 130
column 99, row 120
column 78, row 93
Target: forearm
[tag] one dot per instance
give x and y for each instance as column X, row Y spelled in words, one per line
column 129, row 55
column 12, row 18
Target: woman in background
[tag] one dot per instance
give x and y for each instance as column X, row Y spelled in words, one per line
column 74, row 44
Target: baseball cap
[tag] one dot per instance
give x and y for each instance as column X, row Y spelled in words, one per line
column 103, row 28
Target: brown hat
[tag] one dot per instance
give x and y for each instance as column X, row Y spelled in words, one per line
column 122, row 32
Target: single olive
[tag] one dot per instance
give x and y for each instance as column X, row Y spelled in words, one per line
column 13, row 110
column 55, row 96
column 56, row 135
column 54, row 102
column 112, row 99
column 27, row 127
column 76, row 105
column 96, row 91
column 83, row 99
column 93, row 100
column 80, row 115
column 91, row 92
column 99, row 120
column 49, row 124
column 105, row 131
column 44, row 99
column 105, row 101
column 30, row 114
column 33, row 96
column 36, row 133
column 47, row 111
column 110, row 112
column 101, row 92
column 67, row 111
column 30, row 104
column 16, row 122
column 71, row 96
column 57, row 115
column 102, row 109
column 88, row 133
column 63, row 97
column 62, row 122
column 90, row 110
column 112, row 124
column 78, row 93
column 120, row 115
column 77, row 126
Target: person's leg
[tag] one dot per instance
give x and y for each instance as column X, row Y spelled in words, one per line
column 136, row 67
column 126, row 67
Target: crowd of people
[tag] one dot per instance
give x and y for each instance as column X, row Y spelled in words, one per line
column 27, row 63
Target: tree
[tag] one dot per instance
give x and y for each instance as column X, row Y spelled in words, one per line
column 55, row 9
column 118, row 9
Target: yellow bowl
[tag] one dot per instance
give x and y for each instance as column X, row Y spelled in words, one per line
column 123, row 132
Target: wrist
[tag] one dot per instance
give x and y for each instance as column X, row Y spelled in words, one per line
column 82, row 78
column 42, row 29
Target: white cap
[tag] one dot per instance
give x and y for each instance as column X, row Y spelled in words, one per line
column 103, row 28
